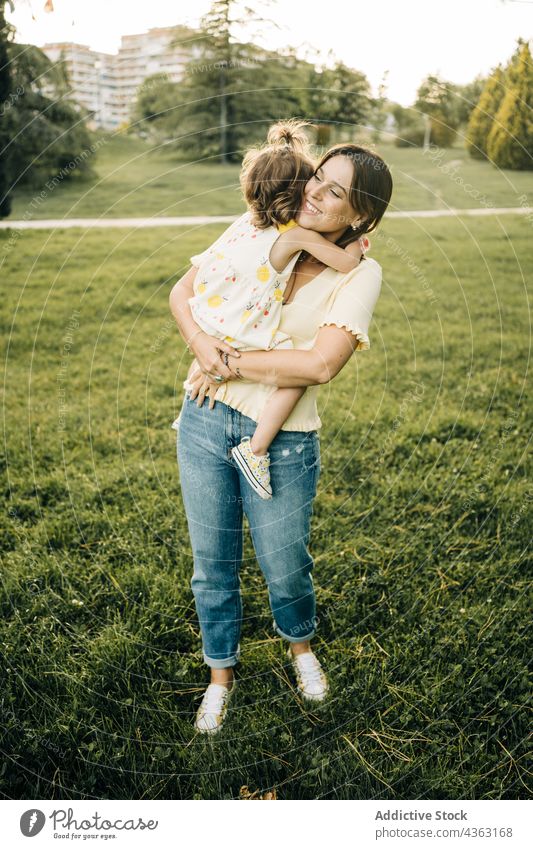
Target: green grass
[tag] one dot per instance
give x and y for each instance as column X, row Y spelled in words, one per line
column 419, row 535
column 133, row 180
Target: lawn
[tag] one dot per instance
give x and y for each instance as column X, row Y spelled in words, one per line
column 134, row 180
column 420, row 531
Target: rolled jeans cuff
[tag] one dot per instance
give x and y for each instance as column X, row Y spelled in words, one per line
column 225, row 662
column 301, row 638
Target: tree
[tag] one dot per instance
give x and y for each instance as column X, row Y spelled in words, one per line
column 482, row 116
column 510, row 140
column 157, row 97
column 438, row 100
column 47, row 130
column 337, row 96
column 6, row 102
column 227, row 85
column 379, row 110
column 409, row 126
column 468, row 96
column 231, row 90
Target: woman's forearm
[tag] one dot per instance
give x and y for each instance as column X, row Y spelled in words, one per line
column 180, row 307
column 280, row 368
column 331, row 351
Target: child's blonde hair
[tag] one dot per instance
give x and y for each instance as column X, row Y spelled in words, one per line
column 273, row 177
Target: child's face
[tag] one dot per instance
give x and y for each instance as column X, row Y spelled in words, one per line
column 326, row 207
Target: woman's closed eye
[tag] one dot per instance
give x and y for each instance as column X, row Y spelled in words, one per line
column 332, row 190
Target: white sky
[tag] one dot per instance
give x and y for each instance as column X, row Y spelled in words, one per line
column 456, row 39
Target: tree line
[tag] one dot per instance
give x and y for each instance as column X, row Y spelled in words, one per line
column 232, row 90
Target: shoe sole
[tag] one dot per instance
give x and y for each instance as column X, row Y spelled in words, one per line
column 245, row 469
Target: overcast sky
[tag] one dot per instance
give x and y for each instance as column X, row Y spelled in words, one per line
column 456, row 39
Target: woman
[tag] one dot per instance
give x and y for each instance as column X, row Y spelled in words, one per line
column 327, row 314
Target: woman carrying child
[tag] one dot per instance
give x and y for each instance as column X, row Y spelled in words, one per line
column 274, row 308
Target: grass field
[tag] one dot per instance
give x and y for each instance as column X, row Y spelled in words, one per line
column 135, row 181
column 420, row 529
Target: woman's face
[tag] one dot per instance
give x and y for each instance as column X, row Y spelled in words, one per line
column 326, row 206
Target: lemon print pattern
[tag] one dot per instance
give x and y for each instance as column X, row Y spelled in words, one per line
column 238, row 294
column 263, row 273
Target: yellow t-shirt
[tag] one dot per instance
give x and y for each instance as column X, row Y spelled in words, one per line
column 346, row 300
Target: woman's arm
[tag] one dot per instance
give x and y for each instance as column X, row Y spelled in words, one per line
column 179, row 305
column 332, row 349
column 299, row 239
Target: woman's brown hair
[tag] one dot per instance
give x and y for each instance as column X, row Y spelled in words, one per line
column 370, row 190
column 273, row 177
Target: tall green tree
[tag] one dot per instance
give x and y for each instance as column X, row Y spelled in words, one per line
column 232, row 90
column 48, row 135
column 510, row 140
column 6, row 103
column 482, row 117
column 226, row 85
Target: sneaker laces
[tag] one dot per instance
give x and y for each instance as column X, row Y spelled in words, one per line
column 264, row 461
column 214, row 698
column 310, row 667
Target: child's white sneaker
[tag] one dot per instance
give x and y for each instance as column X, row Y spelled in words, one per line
column 212, row 711
column 256, row 469
column 312, row 682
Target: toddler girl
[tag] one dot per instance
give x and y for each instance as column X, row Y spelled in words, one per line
column 242, row 277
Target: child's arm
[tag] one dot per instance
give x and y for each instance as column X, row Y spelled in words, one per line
column 299, row 239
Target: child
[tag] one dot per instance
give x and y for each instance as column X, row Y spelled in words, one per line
column 241, row 278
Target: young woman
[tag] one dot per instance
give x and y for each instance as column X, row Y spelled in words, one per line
column 327, row 315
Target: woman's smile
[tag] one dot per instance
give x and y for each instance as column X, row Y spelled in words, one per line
column 312, row 210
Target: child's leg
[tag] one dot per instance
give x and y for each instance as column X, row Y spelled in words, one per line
column 276, row 412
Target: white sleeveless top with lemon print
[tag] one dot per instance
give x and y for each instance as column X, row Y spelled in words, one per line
column 237, row 293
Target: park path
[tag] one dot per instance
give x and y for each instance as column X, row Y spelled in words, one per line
column 192, row 220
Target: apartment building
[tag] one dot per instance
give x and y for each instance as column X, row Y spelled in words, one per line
column 107, row 84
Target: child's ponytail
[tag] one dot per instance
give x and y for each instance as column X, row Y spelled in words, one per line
column 273, row 176
column 290, row 133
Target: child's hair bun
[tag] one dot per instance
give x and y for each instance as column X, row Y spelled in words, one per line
column 290, row 133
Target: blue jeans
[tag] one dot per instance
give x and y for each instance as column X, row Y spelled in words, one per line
column 216, row 496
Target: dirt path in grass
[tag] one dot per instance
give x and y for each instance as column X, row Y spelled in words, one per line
column 193, row 220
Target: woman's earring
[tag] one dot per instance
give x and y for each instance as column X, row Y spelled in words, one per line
column 356, row 225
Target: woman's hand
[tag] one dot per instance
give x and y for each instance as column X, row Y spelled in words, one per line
column 201, row 386
column 207, row 350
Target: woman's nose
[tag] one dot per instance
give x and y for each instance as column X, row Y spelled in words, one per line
column 316, row 192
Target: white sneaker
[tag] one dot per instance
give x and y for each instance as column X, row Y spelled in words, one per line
column 212, row 711
column 312, row 682
column 256, row 469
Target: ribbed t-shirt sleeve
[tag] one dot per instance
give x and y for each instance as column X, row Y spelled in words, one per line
column 355, row 301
